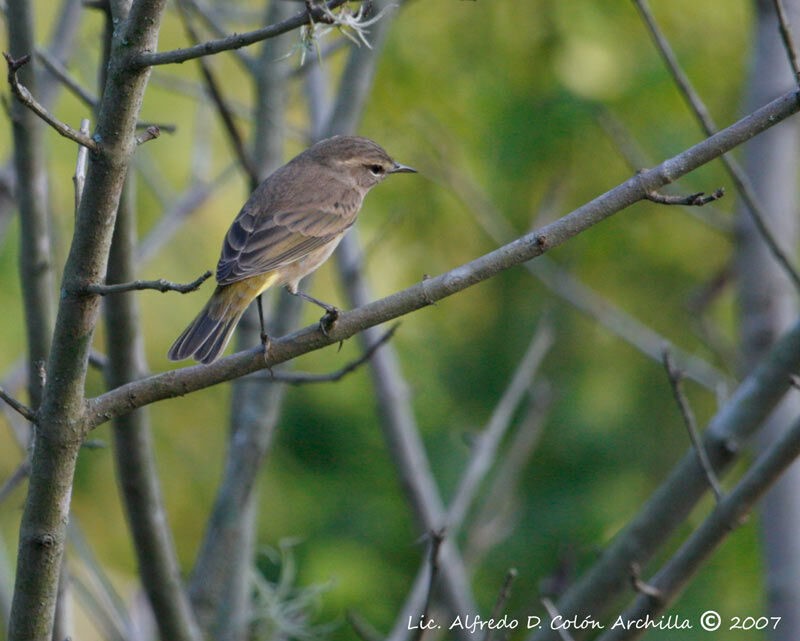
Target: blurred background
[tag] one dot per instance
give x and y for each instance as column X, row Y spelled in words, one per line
column 514, row 115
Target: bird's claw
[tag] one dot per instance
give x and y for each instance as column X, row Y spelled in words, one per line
column 327, row 322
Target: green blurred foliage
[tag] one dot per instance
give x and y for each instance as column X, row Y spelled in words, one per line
column 507, row 95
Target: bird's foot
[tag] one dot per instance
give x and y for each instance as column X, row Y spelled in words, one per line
column 327, row 322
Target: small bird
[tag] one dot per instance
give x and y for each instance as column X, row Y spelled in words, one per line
column 288, row 227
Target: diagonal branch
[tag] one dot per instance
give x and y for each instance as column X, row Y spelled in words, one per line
column 234, row 41
column 25, row 97
column 179, row 382
column 18, row 407
column 302, row 378
column 221, row 104
column 736, row 173
column 160, row 285
column 786, row 35
column 675, row 574
column 689, row 420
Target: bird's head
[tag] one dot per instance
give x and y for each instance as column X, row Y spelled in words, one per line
column 361, row 161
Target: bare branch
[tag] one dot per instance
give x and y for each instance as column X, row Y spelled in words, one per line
column 221, row 104
column 788, row 40
column 234, row 41
column 736, row 173
column 18, row 407
column 151, row 133
column 670, row 504
column 63, row 76
column 574, row 291
column 301, row 378
column 640, row 586
column 160, row 285
column 485, row 450
column 693, row 200
column 178, row 382
column 673, row 577
column 675, row 377
column 211, row 20
column 25, row 97
column 436, row 539
column 502, row 599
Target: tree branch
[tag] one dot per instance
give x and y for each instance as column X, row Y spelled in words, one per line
column 736, row 173
column 694, row 200
column 302, row 378
column 179, row 382
column 575, row 292
column 675, row 377
column 18, row 407
column 786, row 35
column 671, row 503
column 160, row 285
column 221, row 104
column 234, row 41
column 25, row 97
column 728, row 514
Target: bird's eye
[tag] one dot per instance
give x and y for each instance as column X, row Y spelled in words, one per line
column 376, row 170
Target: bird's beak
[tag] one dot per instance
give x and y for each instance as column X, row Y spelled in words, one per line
column 402, row 169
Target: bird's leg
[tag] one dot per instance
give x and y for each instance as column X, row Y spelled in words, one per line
column 331, row 312
column 266, row 341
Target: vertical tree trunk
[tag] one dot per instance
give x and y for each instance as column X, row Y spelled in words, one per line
column 36, row 270
column 769, row 303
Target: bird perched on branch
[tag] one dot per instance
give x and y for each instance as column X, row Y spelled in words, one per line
column 289, row 226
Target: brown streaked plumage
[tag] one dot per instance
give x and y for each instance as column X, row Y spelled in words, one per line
column 289, row 226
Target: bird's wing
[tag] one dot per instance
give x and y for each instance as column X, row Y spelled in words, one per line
column 266, row 236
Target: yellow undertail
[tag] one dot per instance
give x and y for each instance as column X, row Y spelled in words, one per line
column 208, row 334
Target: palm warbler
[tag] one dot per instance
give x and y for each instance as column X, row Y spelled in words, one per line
column 289, row 226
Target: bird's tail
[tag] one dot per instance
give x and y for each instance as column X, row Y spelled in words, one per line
column 208, row 334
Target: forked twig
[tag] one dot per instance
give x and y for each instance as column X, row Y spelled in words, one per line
column 25, row 97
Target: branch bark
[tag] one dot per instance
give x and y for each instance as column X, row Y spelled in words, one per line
column 179, row 382
column 235, row 41
column 671, row 503
column 62, row 417
column 673, row 577
column 136, row 469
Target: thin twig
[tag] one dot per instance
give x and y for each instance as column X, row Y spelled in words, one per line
column 642, row 587
column 502, row 599
column 63, row 76
column 221, row 104
column 234, row 41
column 208, row 16
column 301, row 378
column 180, row 382
column 25, row 97
column 786, row 36
column 693, row 200
column 151, row 133
column 553, row 613
column 84, row 95
column 26, row 412
column 436, row 538
column 675, row 377
column 736, row 173
column 79, row 178
column 675, row 574
column 160, row 285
